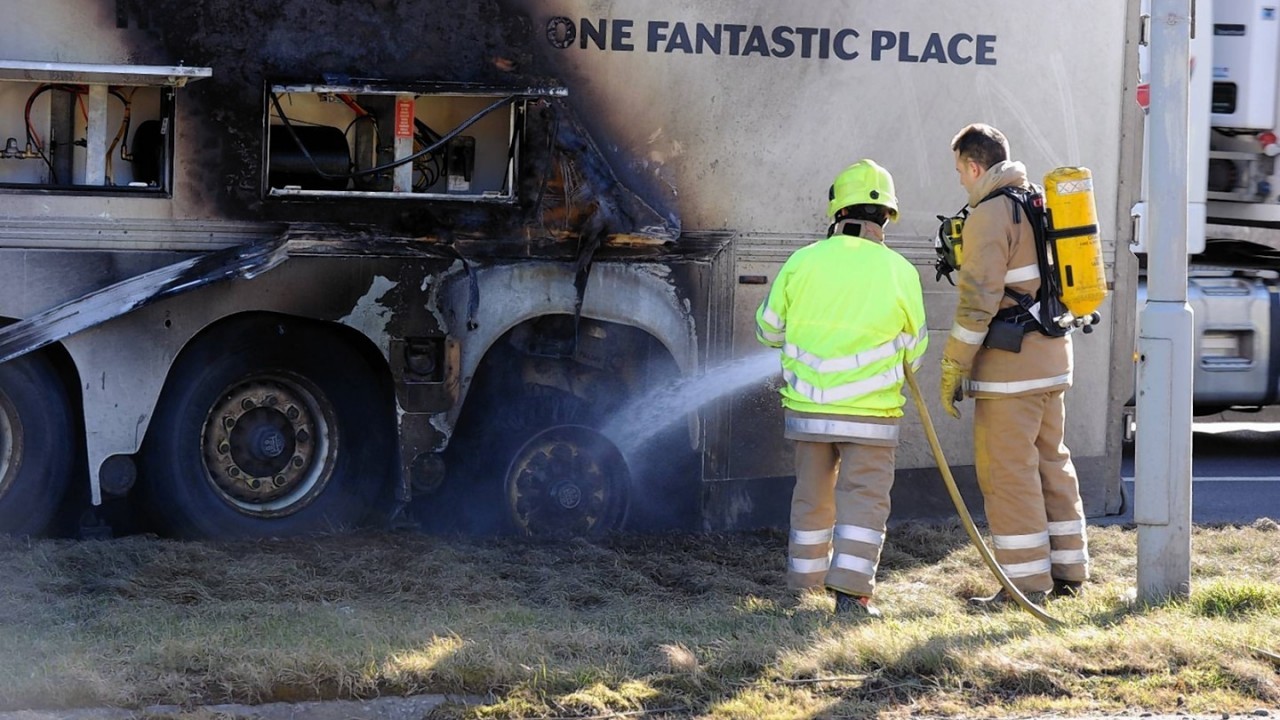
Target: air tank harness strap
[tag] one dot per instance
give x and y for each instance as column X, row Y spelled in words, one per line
column 1022, row 314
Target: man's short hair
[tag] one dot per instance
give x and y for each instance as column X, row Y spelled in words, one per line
column 982, row 144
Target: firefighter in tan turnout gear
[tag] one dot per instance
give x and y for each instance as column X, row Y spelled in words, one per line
column 1024, row 469
column 847, row 313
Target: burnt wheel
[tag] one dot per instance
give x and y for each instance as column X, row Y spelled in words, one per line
column 273, row 429
column 528, row 460
column 567, row 480
column 37, row 444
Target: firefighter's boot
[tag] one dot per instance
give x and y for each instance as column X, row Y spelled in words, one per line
column 855, row 606
column 1066, row 588
column 1002, row 600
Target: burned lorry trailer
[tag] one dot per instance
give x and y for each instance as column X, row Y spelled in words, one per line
column 261, row 389
column 467, row 276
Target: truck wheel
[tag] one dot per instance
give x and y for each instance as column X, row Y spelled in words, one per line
column 567, row 480
column 533, row 465
column 276, row 431
column 36, row 444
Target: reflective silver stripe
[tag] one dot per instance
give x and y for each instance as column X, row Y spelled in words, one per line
column 842, row 428
column 912, row 341
column 860, row 534
column 1020, row 542
column 1026, row 569
column 904, row 341
column 914, row 347
column 1022, row 274
column 888, row 378
column 967, row 336
column 840, row 364
column 1067, row 527
column 1009, row 388
column 774, row 337
column 805, row 566
column 811, row 537
column 1069, row 557
column 856, row 564
column 768, row 315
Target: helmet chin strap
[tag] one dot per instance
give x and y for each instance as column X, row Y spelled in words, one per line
column 854, row 228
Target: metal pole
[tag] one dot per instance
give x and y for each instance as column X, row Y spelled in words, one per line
column 1162, row 495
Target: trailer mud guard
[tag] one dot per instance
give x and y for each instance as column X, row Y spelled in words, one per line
column 99, row 306
column 637, row 295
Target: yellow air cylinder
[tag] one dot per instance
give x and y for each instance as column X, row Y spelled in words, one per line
column 1073, row 233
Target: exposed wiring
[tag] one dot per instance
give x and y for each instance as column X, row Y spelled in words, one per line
column 121, row 135
column 33, row 138
column 432, row 167
column 430, row 148
column 429, row 169
column 351, row 103
column 512, row 146
column 125, row 153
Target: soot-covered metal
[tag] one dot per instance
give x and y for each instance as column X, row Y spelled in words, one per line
column 565, row 188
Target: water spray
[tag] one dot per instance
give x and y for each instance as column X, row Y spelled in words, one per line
column 641, row 419
column 636, row 423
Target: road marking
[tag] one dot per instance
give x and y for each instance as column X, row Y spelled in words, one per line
column 1223, row 478
column 1220, row 428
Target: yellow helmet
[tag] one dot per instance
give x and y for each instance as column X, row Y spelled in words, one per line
column 863, row 183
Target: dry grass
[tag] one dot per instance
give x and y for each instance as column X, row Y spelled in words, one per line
column 675, row 626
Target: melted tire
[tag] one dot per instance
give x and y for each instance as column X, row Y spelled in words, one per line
column 489, row 490
column 566, row 480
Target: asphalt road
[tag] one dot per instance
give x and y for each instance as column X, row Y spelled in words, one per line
column 1235, row 468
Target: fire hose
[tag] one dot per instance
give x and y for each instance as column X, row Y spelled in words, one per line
column 965, row 518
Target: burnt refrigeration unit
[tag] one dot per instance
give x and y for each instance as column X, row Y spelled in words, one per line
column 377, row 139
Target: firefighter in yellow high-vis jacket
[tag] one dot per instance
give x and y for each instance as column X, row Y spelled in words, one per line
column 1024, row 468
column 847, row 313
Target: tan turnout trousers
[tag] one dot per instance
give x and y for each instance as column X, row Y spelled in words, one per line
column 1031, row 491
column 838, row 512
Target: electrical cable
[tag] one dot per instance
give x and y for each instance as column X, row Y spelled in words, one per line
column 33, row 138
column 288, row 124
column 965, row 518
column 120, row 134
column 512, row 146
column 429, row 135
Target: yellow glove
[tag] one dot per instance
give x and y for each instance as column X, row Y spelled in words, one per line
column 953, row 377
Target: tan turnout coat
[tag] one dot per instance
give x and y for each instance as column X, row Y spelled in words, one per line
column 999, row 252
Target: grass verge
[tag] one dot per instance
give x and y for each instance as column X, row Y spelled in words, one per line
column 670, row 626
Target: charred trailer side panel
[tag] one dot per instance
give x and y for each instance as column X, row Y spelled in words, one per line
column 490, row 246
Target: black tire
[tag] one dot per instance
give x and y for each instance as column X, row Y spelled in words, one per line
column 270, row 429
column 37, row 444
column 534, row 466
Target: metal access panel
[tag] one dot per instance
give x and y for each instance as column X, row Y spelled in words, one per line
column 443, row 141
column 1246, row 47
column 89, row 128
column 760, row 450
